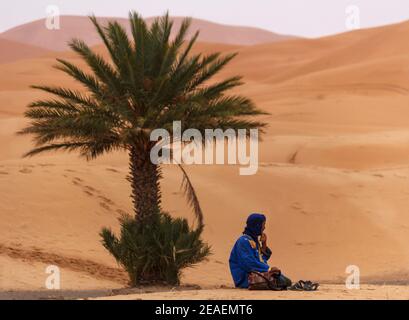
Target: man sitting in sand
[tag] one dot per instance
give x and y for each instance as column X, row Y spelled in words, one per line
column 251, row 254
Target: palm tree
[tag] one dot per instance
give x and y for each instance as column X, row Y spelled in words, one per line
column 150, row 80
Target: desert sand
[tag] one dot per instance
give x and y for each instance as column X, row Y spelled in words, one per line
column 369, row 292
column 13, row 51
column 333, row 177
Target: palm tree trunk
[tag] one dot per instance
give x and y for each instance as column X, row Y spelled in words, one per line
column 144, row 177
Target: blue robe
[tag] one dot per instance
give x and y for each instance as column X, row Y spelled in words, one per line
column 246, row 256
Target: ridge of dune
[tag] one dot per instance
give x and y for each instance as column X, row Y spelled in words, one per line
column 292, row 61
column 288, row 61
column 78, row 26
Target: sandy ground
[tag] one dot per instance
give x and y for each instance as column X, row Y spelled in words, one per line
column 333, row 177
column 326, row 292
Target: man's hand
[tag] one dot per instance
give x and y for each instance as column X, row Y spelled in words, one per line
column 274, row 270
column 263, row 240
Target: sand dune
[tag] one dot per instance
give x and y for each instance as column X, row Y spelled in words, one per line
column 13, row 51
column 372, row 55
column 36, row 32
column 333, row 176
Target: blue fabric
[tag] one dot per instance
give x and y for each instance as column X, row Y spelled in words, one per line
column 244, row 258
column 254, row 225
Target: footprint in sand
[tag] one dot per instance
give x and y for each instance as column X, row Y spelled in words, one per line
column 305, row 244
column 46, row 165
column 26, row 170
column 106, row 200
column 105, row 206
column 88, row 193
column 296, row 206
column 3, row 172
column 122, row 212
column 90, row 189
column 266, row 164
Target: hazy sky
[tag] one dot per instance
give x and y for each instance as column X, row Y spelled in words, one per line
column 309, row 18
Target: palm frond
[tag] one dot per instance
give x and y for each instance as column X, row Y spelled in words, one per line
column 209, row 67
column 192, row 198
column 69, row 146
column 103, row 70
column 71, row 95
column 89, row 81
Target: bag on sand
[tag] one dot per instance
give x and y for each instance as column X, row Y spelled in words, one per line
column 268, row 281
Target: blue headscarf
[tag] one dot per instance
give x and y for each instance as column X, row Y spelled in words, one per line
column 254, row 225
